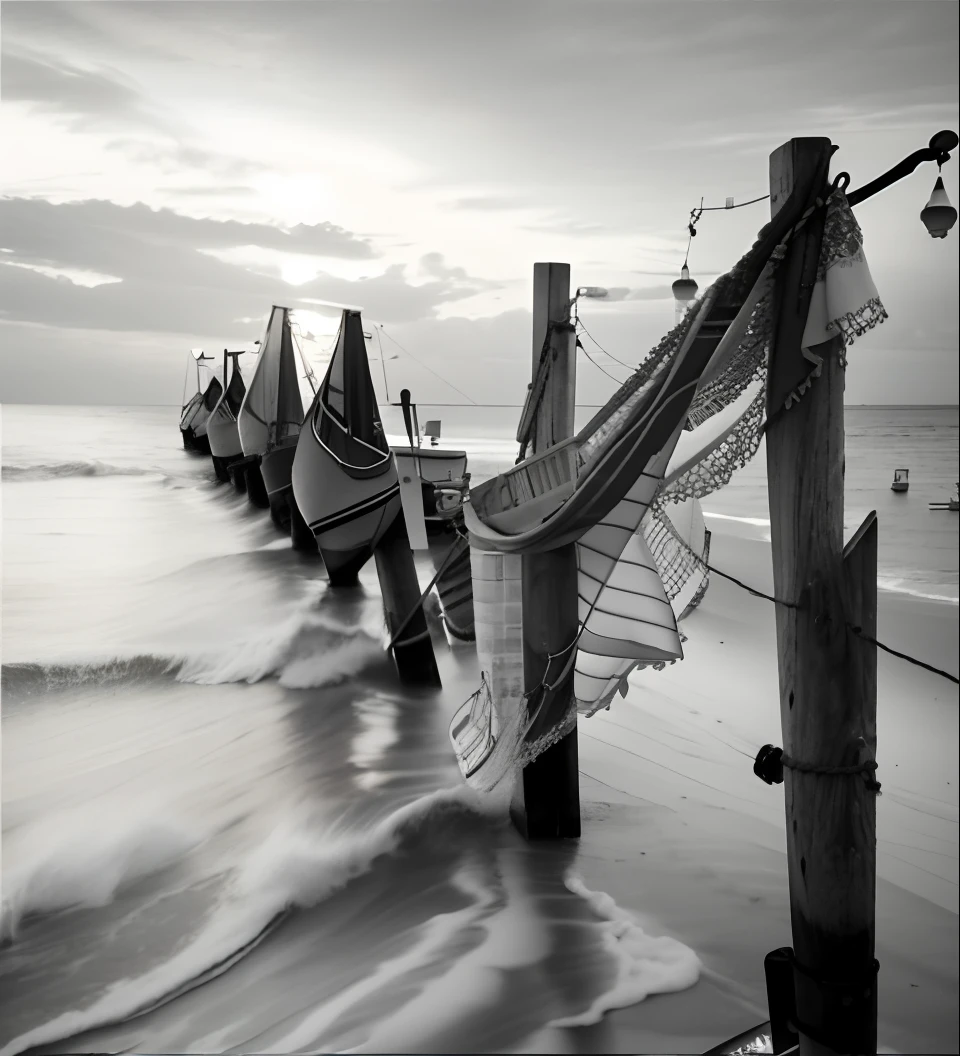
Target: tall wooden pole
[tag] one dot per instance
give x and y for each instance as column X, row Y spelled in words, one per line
column 546, row 803
column 827, row 675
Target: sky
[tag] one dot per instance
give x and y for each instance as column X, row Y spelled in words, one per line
column 170, row 170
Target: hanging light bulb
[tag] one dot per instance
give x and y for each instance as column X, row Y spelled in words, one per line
column 938, row 215
column 684, row 290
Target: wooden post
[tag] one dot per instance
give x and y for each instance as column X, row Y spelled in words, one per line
column 827, row 677
column 413, row 652
column 546, row 802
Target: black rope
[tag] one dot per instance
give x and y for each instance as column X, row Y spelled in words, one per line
column 858, row 631
column 749, row 590
column 596, row 364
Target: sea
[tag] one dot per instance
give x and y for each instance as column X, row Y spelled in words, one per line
column 225, row 826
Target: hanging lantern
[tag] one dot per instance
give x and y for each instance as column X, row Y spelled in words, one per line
column 684, row 291
column 938, row 215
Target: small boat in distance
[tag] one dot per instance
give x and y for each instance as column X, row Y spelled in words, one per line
column 344, row 477
column 951, row 505
column 901, row 480
column 201, row 390
column 222, row 429
column 271, row 416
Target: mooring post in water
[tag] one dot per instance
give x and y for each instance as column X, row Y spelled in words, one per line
column 406, row 622
column 828, row 679
column 546, row 801
column 256, row 488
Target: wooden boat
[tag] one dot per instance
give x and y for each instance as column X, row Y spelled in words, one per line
column 271, row 417
column 201, row 390
column 344, row 476
column 222, row 431
column 951, row 505
column 901, row 480
column 443, row 473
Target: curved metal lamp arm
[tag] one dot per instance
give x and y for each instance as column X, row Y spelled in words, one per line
column 938, row 150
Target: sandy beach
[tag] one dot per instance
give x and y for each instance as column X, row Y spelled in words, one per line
column 678, row 829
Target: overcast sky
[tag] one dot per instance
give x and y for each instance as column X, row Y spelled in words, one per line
column 170, row 170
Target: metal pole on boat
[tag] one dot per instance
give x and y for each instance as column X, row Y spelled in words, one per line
column 546, row 801
column 828, row 675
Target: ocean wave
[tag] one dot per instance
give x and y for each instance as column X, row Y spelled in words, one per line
column 305, row 651
column 92, row 468
column 294, row 869
column 26, row 679
column 83, row 861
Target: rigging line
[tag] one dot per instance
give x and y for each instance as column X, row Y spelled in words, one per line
column 425, row 367
column 602, row 349
column 383, row 365
column 597, row 365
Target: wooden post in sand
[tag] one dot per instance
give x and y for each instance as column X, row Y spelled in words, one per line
column 827, row 674
column 546, row 803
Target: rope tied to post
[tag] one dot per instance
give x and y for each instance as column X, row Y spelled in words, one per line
column 771, row 761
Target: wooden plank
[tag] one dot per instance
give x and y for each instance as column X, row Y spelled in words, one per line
column 411, row 500
column 827, row 678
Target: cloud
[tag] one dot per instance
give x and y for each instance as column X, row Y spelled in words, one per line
column 492, row 203
column 170, row 284
column 105, row 100
column 86, row 99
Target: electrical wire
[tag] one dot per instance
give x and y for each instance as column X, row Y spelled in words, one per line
column 425, row 367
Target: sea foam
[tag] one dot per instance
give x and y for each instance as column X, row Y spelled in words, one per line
column 646, row 964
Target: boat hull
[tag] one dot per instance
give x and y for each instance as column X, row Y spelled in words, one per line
column 348, row 515
column 898, row 486
column 224, row 437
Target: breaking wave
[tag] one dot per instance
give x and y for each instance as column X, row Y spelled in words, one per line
column 92, row 468
column 293, row 869
column 80, row 862
column 305, row 651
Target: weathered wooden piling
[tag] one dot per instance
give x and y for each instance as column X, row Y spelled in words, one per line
column 546, row 801
column 256, row 489
column 412, row 645
column 827, row 674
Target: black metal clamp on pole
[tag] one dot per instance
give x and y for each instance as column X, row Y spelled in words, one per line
column 938, row 150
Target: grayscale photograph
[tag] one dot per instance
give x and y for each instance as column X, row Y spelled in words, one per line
column 479, row 527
